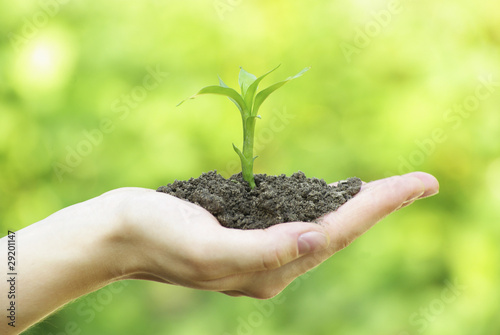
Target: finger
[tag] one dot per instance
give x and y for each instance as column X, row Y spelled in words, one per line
column 427, row 179
column 267, row 284
column 243, row 251
column 393, row 190
column 375, row 201
column 430, row 182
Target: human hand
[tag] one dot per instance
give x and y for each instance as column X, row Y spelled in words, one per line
column 165, row 239
column 134, row 233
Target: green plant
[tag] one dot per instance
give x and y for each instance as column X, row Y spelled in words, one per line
column 248, row 103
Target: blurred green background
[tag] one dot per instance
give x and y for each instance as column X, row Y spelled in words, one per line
column 394, row 87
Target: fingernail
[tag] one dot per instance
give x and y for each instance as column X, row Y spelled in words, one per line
column 312, row 241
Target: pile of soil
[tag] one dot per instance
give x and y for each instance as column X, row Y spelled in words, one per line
column 275, row 199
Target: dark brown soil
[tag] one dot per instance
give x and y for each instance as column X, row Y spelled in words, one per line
column 276, row 199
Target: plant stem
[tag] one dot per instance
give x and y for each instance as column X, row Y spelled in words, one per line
column 247, row 159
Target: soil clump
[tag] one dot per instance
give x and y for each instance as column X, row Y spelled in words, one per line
column 275, row 199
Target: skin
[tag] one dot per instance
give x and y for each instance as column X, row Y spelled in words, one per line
column 134, row 233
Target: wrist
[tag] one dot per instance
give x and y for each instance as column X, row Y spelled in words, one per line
column 90, row 236
column 118, row 238
column 87, row 232
column 65, row 256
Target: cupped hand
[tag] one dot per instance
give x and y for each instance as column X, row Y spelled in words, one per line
column 166, row 239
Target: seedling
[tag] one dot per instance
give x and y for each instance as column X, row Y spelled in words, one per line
column 248, row 103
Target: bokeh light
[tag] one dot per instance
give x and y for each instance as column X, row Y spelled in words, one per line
column 45, row 64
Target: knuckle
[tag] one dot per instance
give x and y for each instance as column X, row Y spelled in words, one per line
column 275, row 258
column 342, row 241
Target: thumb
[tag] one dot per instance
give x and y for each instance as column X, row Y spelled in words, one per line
column 260, row 250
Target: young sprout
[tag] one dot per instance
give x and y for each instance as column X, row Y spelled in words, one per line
column 248, row 103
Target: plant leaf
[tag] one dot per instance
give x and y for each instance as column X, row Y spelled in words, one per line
column 220, row 90
column 262, row 95
column 245, row 79
column 223, row 84
column 238, row 151
column 250, row 94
